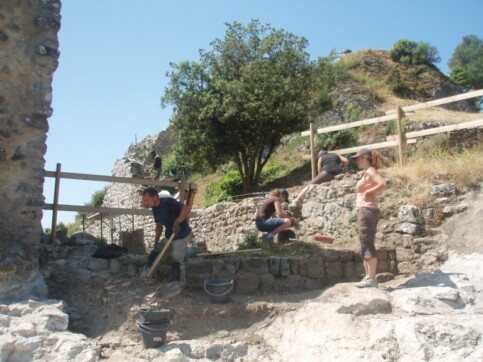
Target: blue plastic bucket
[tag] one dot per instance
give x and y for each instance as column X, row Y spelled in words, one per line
column 153, row 314
column 219, row 290
column 153, row 334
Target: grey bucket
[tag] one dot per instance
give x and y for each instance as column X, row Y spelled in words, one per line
column 219, row 290
column 153, row 314
column 153, row 334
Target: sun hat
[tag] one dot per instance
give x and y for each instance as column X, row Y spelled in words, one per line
column 284, row 193
column 362, row 152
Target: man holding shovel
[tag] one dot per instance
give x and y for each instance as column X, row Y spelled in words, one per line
column 172, row 215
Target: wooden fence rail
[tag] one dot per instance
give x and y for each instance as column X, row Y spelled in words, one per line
column 182, row 185
column 401, row 139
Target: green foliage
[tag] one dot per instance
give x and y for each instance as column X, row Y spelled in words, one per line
column 225, row 168
column 466, row 64
column 390, row 127
column 396, row 84
column 323, row 100
column 354, row 113
column 98, row 197
column 58, row 227
column 250, row 241
column 224, row 188
column 272, row 172
column 96, row 200
column 336, row 140
column 408, row 52
column 297, row 141
column 238, row 101
column 371, row 81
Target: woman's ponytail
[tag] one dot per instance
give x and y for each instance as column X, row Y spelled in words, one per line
column 376, row 160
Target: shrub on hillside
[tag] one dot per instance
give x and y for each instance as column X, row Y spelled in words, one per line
column 336, row 140
column 408, row 52
column 224, row 188
column 396, row 84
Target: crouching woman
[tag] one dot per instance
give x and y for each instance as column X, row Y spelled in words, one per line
column 271, row 218
column 368, row 214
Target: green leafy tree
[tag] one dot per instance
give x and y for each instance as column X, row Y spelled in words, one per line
column 242, row 96
column 466, row 64
column 409, row 52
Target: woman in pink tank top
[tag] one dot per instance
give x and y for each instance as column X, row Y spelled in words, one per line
column 368, row 213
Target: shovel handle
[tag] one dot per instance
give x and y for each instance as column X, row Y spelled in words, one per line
column 160, row 256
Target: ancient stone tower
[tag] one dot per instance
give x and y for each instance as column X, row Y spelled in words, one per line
column 28, row 57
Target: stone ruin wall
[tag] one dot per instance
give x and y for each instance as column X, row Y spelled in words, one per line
column 28, row 58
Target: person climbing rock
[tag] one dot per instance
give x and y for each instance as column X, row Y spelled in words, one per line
column 328, row 166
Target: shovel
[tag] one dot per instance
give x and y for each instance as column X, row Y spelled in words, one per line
column 148, row 276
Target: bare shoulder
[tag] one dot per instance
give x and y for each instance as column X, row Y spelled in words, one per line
column 372, row 173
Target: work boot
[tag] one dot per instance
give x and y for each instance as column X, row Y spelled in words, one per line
column 175, row 271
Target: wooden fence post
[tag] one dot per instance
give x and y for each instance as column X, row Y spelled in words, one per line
column 55, row 204
column 312, row 150
column 401, row 135
column 182, row 189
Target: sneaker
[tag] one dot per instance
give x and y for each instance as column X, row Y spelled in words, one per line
column 367, row 283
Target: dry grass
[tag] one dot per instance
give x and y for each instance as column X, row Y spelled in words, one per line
column 433, row 114
column 435, row 164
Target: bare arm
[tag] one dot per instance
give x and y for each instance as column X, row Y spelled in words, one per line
column 319, row 165
column 185, row 211
column 344, row 161
column 376, row 178
column 159, row 231
column 279, row 211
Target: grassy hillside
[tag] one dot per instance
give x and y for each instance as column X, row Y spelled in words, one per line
column 369, row 72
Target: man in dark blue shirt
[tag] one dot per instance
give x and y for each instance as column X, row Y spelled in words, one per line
column 172, row 215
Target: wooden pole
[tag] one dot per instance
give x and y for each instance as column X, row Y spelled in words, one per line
column 312, row 149
column 229, row 252
column 182, row 188
column 56, row 203
column 401, row 135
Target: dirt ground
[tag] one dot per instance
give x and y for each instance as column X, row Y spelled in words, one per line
column 106, row 308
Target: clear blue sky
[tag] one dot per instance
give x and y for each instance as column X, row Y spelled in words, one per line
column 115, row 53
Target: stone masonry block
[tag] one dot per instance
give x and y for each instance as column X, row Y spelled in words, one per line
column 315, row 267
column 247, row 282
column 274, row 265
column 284, row 267
column 334, row 271
column 255, row 265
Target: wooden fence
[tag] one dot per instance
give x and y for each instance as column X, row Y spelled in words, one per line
column 401, row 139
column 182, row 185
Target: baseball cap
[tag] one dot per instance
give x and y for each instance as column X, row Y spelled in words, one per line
column 284, row 193
column 362, row 152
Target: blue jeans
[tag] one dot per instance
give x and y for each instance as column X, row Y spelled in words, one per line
column 269, row 225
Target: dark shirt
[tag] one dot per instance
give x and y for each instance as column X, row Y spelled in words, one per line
column 157, row 162
column 166, row 213
column 331, row 163
column 267, row 209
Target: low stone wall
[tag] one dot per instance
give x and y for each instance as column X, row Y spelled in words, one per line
column 268, row 273
column 256, row 272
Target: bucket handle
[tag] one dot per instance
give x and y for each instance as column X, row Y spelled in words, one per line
column 144, row 328
column 218, row 295
column 149, row 311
